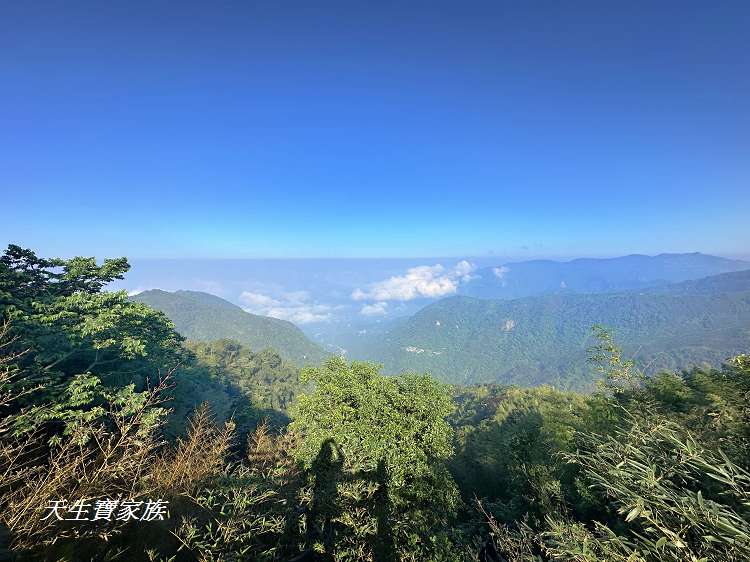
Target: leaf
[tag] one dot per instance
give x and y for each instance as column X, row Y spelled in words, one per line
column 633, row 513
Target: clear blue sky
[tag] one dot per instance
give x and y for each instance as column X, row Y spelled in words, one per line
column 245, row 129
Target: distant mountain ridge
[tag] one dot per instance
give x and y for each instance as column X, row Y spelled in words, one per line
column 204, row 317
column 544, row 339
column 592, row 275
column 723, row 283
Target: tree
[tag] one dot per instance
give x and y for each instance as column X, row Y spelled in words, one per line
column 376, row 447
column 70, row 330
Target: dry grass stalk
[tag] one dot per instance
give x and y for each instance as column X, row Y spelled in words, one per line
column 199, row 455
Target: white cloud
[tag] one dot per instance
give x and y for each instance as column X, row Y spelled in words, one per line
column 376, row 309
column 464, row 270
column 293, row 306
column 257, row 299
column 424, row 281
column 302, row 314
column 500, row 271
column 139, row 290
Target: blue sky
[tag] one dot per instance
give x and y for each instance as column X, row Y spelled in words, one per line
column 321, row 129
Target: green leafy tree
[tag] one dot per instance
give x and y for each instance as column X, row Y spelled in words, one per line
column 376, row 447
column 74, row 336
column 617, row 373
column 510, row 458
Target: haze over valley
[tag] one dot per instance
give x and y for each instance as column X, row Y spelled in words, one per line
column 468, row 324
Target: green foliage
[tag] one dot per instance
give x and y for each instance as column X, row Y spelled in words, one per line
column 714, row 404
column 264, row 377
column 27, row 278
column 236, row 382
column 372, row 417
column 509, row 457
column 84, row 402
column 376, row 448
column 75, row 336
column 80, row 388
column 617, row 374
column 248, row 510
column 96, row 442
column 677, row 500
column 660, row 472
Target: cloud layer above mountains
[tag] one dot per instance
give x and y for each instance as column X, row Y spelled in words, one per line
column 293, row 306
column 375, row 309
column 310, row 292
column 424, row 281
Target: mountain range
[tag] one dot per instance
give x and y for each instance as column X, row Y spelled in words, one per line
column 592, row 275
column 544, row 339
column 670, row 311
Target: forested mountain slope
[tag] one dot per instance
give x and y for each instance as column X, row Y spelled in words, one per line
column 371, row 467
column 203, row 317
column 544, row 339
column 236, row 383
column 633, row 272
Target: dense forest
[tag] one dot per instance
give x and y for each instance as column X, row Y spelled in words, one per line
column 103, row 399
column 544, row 339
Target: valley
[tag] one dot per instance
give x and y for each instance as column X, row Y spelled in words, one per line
column 666, row 314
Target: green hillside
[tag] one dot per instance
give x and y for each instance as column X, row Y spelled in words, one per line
column 544, row 339
column 203, row 317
